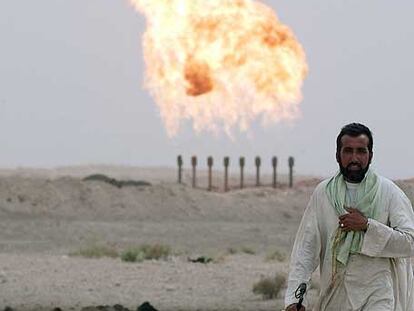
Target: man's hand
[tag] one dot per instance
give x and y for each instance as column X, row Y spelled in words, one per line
column 353, row 221
column 293, row 307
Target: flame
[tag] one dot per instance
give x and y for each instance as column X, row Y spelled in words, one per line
column 220, row 63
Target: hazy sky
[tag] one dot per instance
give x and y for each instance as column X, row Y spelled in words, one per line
column 71, row 76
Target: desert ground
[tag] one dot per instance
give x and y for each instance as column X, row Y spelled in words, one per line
column 48, row 215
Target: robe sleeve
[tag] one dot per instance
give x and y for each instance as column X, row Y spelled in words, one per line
column 305, row 254
column 395, row 239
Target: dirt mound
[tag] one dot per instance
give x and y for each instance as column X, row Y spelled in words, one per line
column 115, row 182
column 146, row 306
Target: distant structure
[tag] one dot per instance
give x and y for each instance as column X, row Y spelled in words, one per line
column 226, row 164
column 241, row 162
column 274, row 165
column 258, row 162
column 210, row 166
column 194, row 165
column 180, row 168
column 291, row 163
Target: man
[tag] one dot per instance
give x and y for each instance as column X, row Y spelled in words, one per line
column 359, row 229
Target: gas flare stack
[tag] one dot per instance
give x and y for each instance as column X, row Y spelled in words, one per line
column 274, row 165
column 291, row 163
column 194, row 165
column 241, row 162
column 210, row 166
column 258, row 162
column 180, row 168
column 226, row 164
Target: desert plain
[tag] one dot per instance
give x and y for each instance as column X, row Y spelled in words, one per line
column 48, row 216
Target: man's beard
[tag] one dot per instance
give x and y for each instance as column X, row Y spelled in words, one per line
column 353, row 176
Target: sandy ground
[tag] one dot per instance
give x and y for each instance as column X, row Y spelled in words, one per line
column 45, row 215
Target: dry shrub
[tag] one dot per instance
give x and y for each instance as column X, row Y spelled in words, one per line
column 146, row 252
column 268, row 287
column 156, row 251
column 96, row 251
column 132, row 255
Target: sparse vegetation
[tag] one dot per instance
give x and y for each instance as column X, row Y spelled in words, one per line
column 248, row 250
column 96, row 251
column 156, row 251
column 116, row 183
column 276, row 255
column 132, row 255
column 269, row 287
column 146, row 252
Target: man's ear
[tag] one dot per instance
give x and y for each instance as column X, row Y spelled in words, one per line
column 338, row 158
column 371, row 155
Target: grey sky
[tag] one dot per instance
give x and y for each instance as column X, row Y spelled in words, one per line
column 71, row 75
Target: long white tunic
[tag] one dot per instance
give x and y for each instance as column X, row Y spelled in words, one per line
column 379, row 278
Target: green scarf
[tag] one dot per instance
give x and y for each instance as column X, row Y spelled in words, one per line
column 346, row 243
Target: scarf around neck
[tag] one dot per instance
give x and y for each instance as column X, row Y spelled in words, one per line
column 346, row 243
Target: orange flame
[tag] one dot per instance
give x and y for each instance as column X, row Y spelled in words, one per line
column 220, row 63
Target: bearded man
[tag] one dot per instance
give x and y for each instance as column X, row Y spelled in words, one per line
column 358, row 228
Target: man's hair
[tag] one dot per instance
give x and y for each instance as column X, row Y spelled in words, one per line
column 354, row 130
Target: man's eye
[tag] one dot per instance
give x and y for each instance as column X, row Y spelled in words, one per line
column 362, row 150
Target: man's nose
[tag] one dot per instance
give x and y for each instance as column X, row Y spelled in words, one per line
column 354, row 157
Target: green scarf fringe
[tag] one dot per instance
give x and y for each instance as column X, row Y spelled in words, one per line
column 346, row 243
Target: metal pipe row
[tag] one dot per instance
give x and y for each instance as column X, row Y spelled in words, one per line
column 226, row 164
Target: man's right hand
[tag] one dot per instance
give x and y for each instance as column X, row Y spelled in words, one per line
column 293, row 307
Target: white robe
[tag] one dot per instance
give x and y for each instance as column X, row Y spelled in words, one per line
column 379, row 278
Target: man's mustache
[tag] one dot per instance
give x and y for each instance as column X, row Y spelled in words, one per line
column 354, row 163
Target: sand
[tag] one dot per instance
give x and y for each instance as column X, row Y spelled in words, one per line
column 47, row 215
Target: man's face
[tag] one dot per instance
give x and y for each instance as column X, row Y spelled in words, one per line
column 354, row 157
